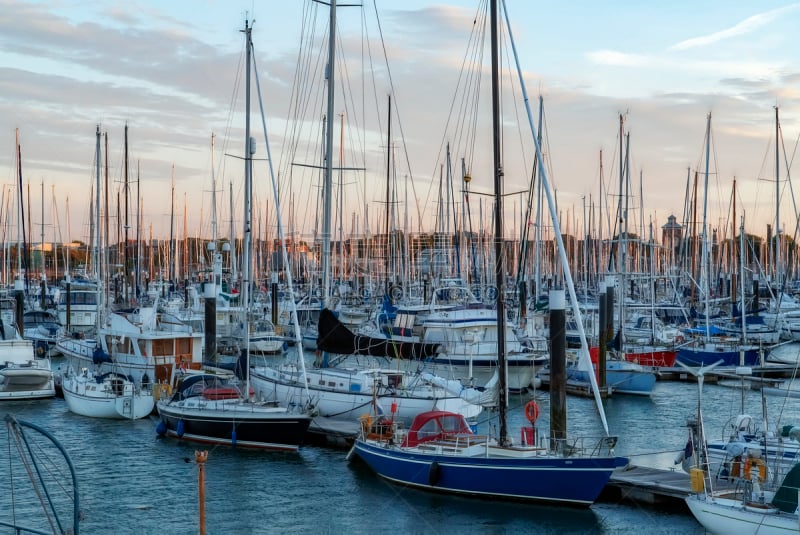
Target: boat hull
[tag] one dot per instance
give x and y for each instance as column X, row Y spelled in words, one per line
column 658, row 358
column 540, row 478
column 234, row 423
column 339, row 407
column 83, row 398
column 723, row 516
column 713, row 353
column 24, row 377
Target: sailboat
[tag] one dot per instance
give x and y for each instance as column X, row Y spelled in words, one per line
column 213, row 409
column 107, row 395
column 707, row 345
column 441, row 452
column 111, row 394
column 761, row 501
column 23, row 376
column 341, row 395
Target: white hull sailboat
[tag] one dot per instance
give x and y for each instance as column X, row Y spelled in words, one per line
column 341, row 396
column 106, row 396
column 751, row 510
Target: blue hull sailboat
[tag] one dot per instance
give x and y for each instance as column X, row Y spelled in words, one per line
column 454, row 460
column 440, row 452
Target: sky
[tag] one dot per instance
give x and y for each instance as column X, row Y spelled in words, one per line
column 172, row 72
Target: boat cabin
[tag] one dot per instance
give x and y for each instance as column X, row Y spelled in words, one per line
column 436, row 425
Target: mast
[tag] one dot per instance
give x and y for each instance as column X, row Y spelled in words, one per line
column 171, row 254
column 249, row 150
column 704, row 267
column 499, row 264
column 104, row 263
column 327, row 186
column 18, row 284
column 232, row 259
column 341, row 197
column 777, row 205
column 584, row 352
column 538, row 231
column 126, row 194
column 44, row 275
column 213, row 197
column 734, row 252
column 388, row 179
column 97, row 226
column 138, row 257
column 694, row 240
column 185, row 242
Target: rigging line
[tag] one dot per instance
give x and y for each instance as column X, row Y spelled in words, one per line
column 11, row 474
column 399, row 120
column 791, row 188
column 26, row 459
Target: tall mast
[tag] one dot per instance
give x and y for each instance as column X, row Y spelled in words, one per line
column 619, row 201
column 213, row 196
column 97, row 223
column 499, row 263
column 777, row 204
column 126, row 194
column 249, row 149
column 171, row 254
column 388, row 180
column 138, row 257
column 327, row 186
column 704, row 267
column 104, row 263
column 185, row 242
column 20, row 219
column 44, row 275
column 234, row 275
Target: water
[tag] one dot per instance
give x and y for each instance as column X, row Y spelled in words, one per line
column 133, row 482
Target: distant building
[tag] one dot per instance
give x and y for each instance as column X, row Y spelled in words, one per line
column 671, row 233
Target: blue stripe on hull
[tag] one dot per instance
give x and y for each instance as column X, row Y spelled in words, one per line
column 572, row 481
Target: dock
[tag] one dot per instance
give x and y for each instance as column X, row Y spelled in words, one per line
column 761, row 375
column 642, row 484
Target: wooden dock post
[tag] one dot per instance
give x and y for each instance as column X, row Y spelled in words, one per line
column 200, row 457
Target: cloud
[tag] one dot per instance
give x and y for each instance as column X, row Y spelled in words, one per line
column 746, row 26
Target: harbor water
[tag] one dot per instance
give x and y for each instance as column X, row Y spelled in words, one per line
column 132, row 481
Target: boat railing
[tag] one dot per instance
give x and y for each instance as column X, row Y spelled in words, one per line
column 584, row 446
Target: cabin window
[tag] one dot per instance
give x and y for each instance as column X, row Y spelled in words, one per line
column 428, row 430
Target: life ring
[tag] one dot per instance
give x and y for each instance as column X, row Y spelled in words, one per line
column 531, row 411
column 750, row 463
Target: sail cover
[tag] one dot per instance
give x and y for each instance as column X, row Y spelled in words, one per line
column 334, row 337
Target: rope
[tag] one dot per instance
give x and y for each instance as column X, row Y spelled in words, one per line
column 25, row 462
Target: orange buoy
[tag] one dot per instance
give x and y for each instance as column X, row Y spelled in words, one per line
column 531, row 411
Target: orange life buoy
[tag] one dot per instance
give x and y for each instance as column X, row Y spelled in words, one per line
column 750, row 463
column 531, row 411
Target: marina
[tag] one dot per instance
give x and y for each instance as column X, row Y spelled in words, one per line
column 153, row 480
column 328, row 341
